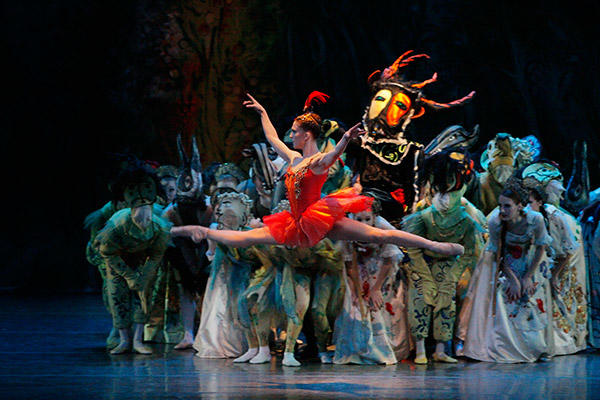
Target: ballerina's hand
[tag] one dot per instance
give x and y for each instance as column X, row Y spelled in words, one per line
column 355, row 131
column 199, row 234
column 253, row 104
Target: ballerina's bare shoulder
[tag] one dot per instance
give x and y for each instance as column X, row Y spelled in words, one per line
column 300, row 163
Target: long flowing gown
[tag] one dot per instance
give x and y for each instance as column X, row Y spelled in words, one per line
column 311, row 217
column 221, row 335
column 519, row 331
column 367, row 339
column 569, row 306
column 395, row 292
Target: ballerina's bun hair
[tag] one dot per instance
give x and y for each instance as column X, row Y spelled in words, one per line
column 309, row 120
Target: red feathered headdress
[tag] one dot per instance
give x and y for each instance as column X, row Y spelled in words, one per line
column 313, row 99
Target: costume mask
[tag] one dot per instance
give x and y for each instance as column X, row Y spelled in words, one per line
column 444, row 202
column 262, row 167
column 554, row 190
column 167, row 175
column 448, row 174
column 189, row 181
column 394, row 104
column 142, row 216
column 498, row 158
column 142, row 192
column 454, row 138
column 542, row 172
column 232, row 210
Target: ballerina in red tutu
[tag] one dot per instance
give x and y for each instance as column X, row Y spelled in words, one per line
column 312, row 218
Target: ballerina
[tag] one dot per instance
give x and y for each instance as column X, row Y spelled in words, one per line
column 312, row 218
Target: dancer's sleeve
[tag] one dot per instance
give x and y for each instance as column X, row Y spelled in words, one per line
column 564, row 242
column 540, row 234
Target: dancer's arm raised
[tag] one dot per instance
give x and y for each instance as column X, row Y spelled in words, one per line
column 322, row 165
column 270, row 133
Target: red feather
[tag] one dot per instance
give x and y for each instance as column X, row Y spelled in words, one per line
column 374, row 75
column 315, row 98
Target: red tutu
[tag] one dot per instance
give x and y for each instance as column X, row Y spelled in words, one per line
column 306, row 226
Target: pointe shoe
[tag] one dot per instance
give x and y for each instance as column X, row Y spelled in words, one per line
column 326, row 357
column 122, row 347
column 140, row 348
column 289, row 360
column 444, row 358
column 263, row 356
column 247, row 356
column 421, row 359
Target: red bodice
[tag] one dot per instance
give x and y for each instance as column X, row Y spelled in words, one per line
column 311, row 216
column 303, row 189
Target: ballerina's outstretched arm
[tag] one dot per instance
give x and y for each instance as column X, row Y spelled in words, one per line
column 322, row 164
column 226, row 237
column 270, row 133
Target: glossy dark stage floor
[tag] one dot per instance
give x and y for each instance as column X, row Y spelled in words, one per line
column 52, row 348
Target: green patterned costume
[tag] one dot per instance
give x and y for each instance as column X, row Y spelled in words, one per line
column 131, row 257
column 282, row 285
column 433, row 278
column 95, row 222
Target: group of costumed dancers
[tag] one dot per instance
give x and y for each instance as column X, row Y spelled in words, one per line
column 394, row 246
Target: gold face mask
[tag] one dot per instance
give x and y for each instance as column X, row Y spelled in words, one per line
column 379, row 102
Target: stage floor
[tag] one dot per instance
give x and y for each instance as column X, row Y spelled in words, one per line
column 53, row 348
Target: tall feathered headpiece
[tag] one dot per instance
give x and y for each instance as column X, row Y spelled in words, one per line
column 393, row 75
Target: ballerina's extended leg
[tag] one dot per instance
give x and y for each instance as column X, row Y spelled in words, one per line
column 348, row 229
column 344, row 229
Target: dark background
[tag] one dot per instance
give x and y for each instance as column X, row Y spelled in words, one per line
column 85, row 78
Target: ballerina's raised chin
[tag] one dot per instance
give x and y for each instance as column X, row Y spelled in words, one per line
column 311, row 217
